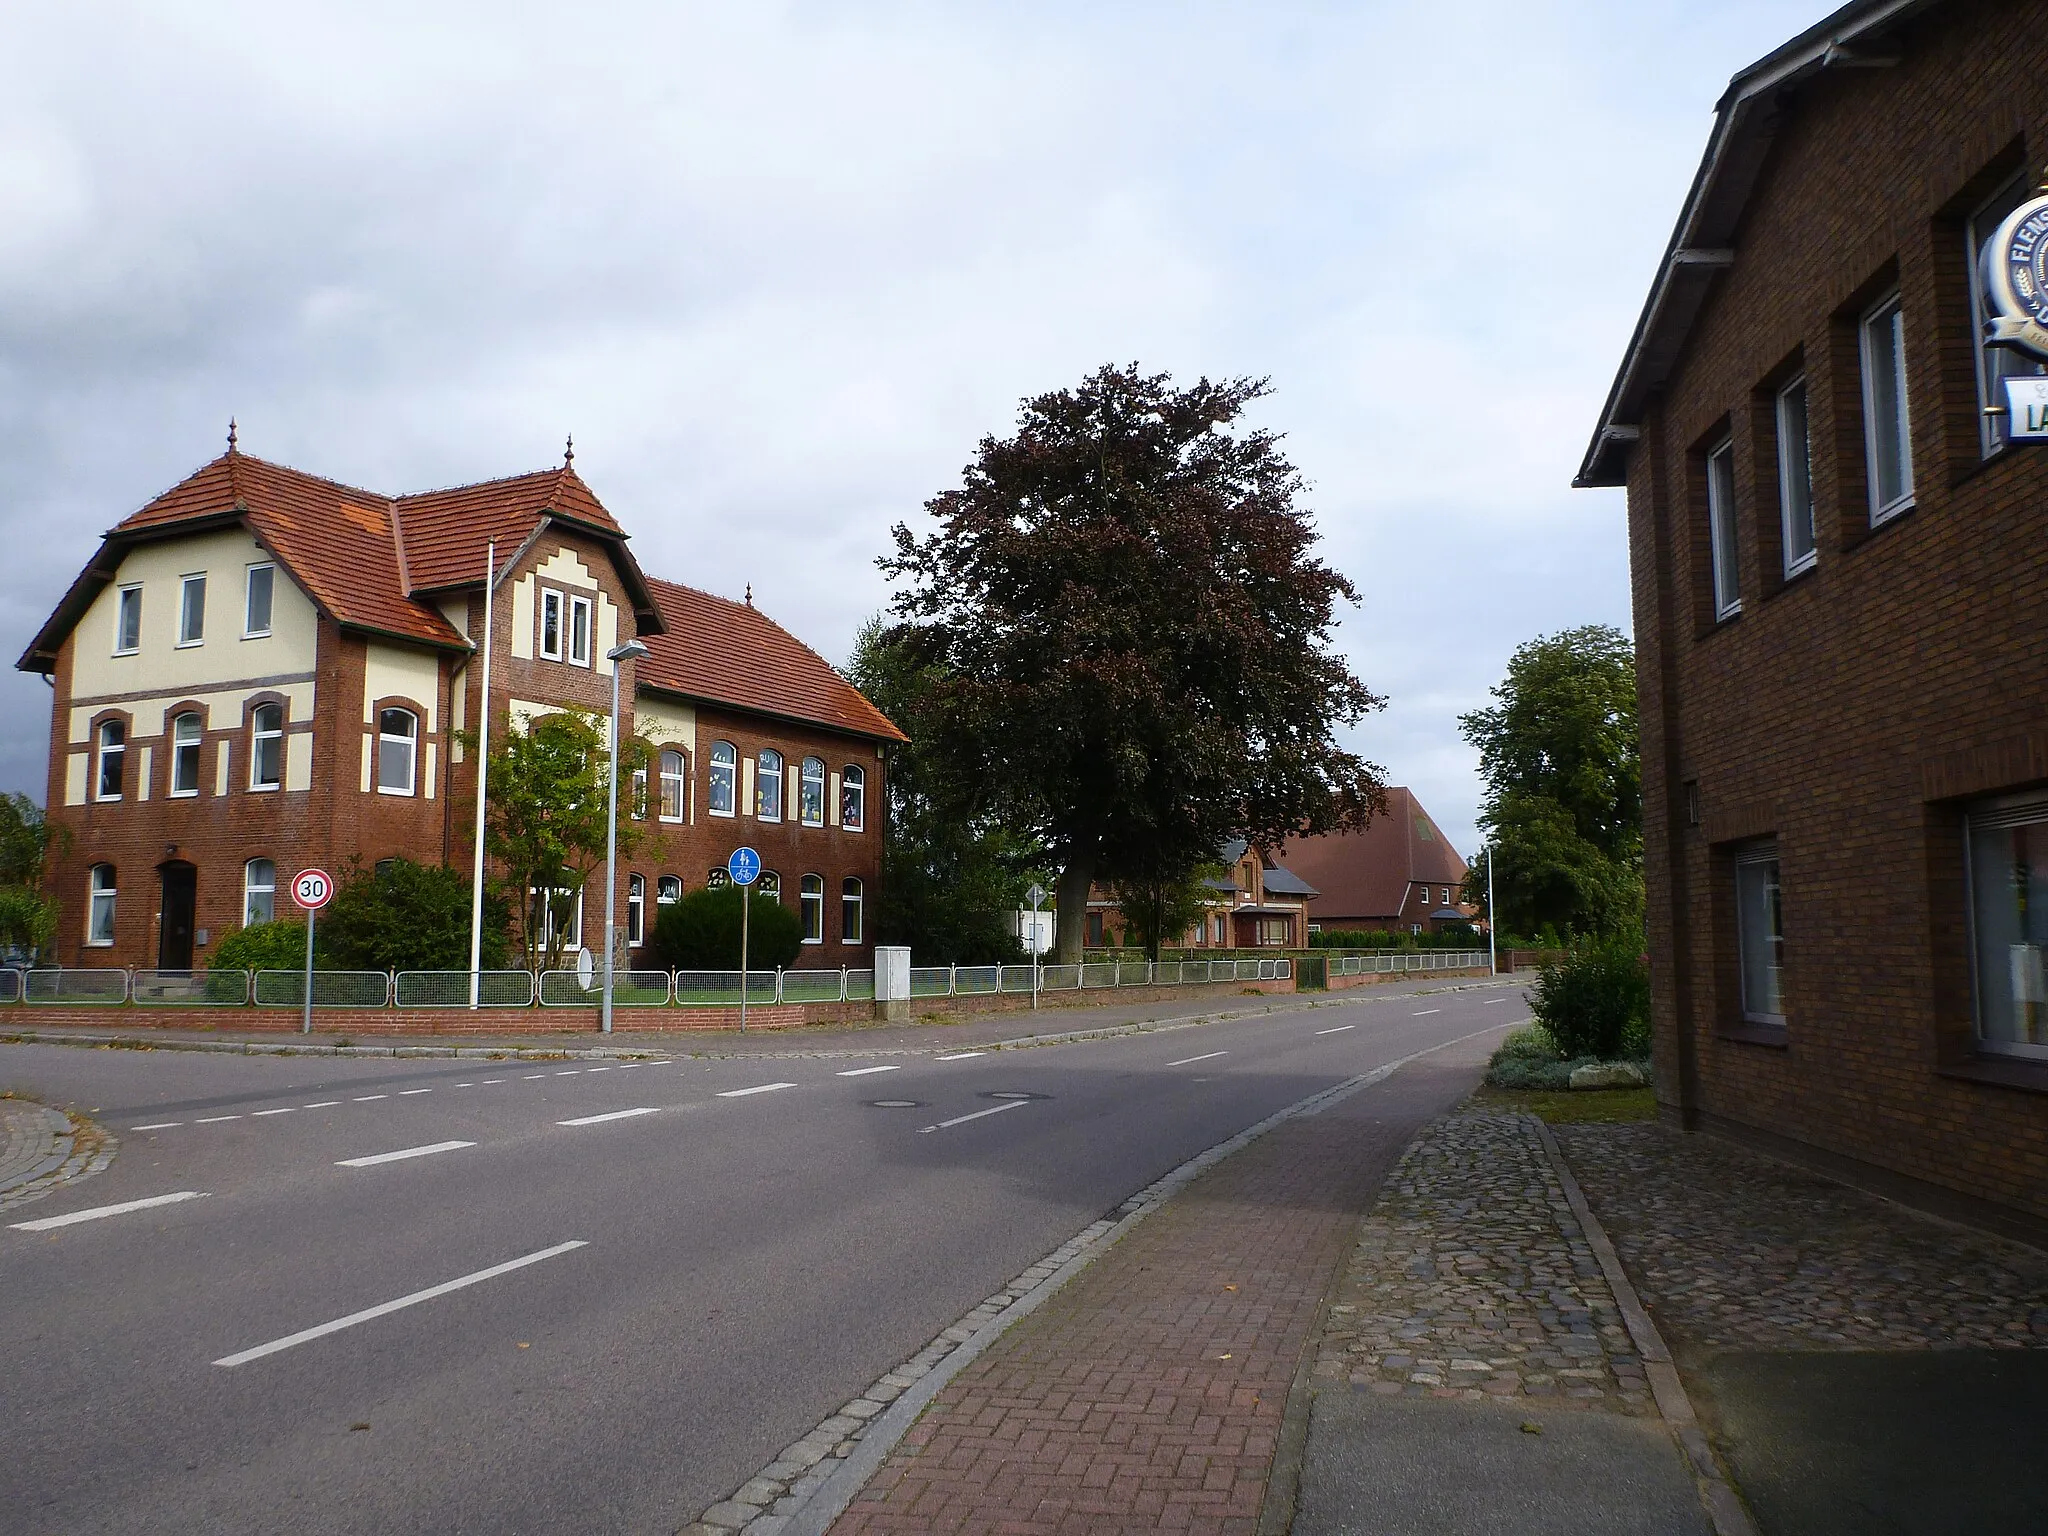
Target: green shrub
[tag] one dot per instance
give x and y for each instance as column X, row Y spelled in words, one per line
column 1596, row 1001
column 402, row 916
column 702, row 932
column 278, row 946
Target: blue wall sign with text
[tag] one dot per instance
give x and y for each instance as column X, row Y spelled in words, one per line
column 744, row 866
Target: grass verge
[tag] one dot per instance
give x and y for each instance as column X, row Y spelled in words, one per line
column 1585, row 1106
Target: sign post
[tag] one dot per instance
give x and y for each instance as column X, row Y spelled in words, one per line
column 312, row 889
column 745, row 868
column 1036, row 896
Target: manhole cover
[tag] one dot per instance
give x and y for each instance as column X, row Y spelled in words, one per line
column 895, row 1104
column 1013, row 1094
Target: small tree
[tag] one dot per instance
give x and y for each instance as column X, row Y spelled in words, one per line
column 702, row 932
column 28, row 915
column 1160, row 910
column 402, row 916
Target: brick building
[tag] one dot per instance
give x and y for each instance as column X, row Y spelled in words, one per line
column 262, row 670
column 1836, row 554
column 1399, row 872
column 1255, row 903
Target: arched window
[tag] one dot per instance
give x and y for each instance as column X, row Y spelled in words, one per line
column 668, row 890
column 810, row 905
column 637, row 798
column 853, row 798
column 717, row 879
column 99, row 921
column 266, row 746
column 185, row 734
column 397, row 748
column 725, row 772
column 849, row 911
column 113, row 758
column 769, row 885
column 810, row 798
column 636, row 910
column 674, row 773
column 259, row 891
column 768, row 785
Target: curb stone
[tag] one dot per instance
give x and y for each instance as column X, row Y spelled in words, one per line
column 71, row 1148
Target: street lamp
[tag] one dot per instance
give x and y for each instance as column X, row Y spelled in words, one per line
column 1492, row 919
column 632, row 650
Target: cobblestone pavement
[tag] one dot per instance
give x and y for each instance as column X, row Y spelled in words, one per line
column 1471, row 1279
column 42, row 1149
column 1733, row 1250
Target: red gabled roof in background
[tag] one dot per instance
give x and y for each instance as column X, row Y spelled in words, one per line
column 725, row 652
column 444, row 534
column 1367, row 874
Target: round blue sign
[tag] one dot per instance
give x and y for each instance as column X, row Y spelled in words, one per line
column 744, row 866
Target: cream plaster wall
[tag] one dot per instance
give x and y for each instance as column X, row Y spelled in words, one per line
column 74, row 778
column 223, row 708
column 562, row 569
column 400, row 670
column 666, row 724
column 522, row 618
column 298, row 760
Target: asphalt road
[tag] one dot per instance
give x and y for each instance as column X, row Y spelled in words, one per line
column 756, row 1239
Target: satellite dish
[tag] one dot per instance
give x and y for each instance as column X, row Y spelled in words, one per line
column 586, row 967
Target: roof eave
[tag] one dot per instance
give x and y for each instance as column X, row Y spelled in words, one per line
column 839, row 727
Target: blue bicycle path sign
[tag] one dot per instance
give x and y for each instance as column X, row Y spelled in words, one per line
column 744, row 866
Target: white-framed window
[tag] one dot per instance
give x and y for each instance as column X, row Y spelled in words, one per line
column 113, row 754
column 723, row 793
column 550, row 624
column 769, row 885
column 2007, row 850
column 128, row 621
column 259, row 892
column 560, row 918
column 1887, row 417
column 99, row 918
column 185, row 735
column 768, row 785
column 675, row 773
column 853, row 798
column 849, row 911
column 1795, row 479
column 637, row 799
column 1216, row 935
column 1994, row 364
column 810, row 905
column 717, row 879
column 636, row 910
column 810, row 793
column 266, row 746
column 1721, row 531
column 1760, row 933
column 398, row 733
column 581, row 629
column 668, row 890
column 257, row 590
column 1446, row 896
column 192, row 609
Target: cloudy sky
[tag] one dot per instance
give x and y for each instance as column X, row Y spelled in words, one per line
column 779, row 266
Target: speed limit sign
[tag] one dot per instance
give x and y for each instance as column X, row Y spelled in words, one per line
column 312, row 889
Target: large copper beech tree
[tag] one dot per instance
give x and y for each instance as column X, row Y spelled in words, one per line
column 1133, row 634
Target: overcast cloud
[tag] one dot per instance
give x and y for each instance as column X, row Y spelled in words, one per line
column 778, row 267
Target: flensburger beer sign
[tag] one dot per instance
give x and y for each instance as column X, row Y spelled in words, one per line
column 2016, row 291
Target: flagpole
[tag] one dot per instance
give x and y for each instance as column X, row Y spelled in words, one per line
column 483, row 765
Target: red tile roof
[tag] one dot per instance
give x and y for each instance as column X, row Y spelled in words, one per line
column 1366, row 875
column 725, row 652
column 443, row 535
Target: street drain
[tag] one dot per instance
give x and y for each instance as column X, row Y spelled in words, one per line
column 1012, row 1094
column 895, row 1104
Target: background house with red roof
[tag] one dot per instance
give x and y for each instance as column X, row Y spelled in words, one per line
column 263, row 670
column 1399, row 873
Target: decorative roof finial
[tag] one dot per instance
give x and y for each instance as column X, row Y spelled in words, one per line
column 569, row 451
column 750, row 594
column 231, row 434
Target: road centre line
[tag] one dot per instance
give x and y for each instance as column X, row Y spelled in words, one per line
column 533, row 1077
column 741, row 1093
column 600, row 1069
column 1190, row 1060
column 1338, row 1030
column 960, row 1056
column 292, row 1110
column 570, row 1072
column 1425, row 1013
column 977, row 1115
column 322, row 1104
column 216, row 1119
column 617, row 1114
column 370, row 1098
column 864, row 1071
column 160, row 1125
column 50, row 1223
column 306, row 1336
column 1492, row 1000
column 406, row 1093
column 487, row 1082
column 395, row 1157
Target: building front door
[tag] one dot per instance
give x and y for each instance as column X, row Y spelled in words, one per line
column 180, row 906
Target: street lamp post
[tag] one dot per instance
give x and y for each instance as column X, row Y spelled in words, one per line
column 1492, row 920
column 632, row 650
column 1037, row 895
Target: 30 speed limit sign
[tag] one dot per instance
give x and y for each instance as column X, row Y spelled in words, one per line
column 312, row 889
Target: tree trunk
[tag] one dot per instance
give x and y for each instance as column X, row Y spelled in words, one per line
column 1070, row 903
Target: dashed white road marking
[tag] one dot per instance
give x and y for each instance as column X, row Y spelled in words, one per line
column 309, row 1334
column 595, row 1070
column 487, row 1082
column 617, row 1114
column 960, row 1056
column 49, row 1223
column 1492, row 1000
column 977, row 1115
column 1189, row 1060
column 1338, row 1030
column 160, row 1125
column 627, row 1066
column 370, row 1098
column 322, row 1104
column 570, row 1072
column 465, row 1085
column 293, row 1110
column 406, row 1093
column 1424, row 1013
column 215, row 1119
column 741, row 1093
column 533, row 1077
column 864, row 1071
column 395, row 1157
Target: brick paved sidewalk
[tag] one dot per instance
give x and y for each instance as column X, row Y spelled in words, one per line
column 42, row 1149
column 1149, row 1393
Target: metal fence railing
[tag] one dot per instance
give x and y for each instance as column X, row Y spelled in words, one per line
column 450, row 989
column 169, row 989
column 721, row 989
column 630, row 989
column 331, row 989
column 10, row 984
column 1398, row 961
column 80, row 986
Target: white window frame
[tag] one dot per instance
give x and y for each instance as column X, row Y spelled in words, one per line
column 761, row 777
column 804, row 783
column 810, row 908
column 1888, row 312
column 128, row 605
column 853, row 790
column 102, row 749
column 769, row 883
column 191, row 634
column 852, row 916
column 678, row 781
column 636, row 911
column 257, row 737
column 268, row 570
column 1747, row 858
column 1724, row 550
column 637, row 797
column 551, row 601
column 2004, row 813
column 581, row 638
column 572, row 930
column 99, row 907
column 668, row 890
column 180, row 748
column 1795, row 475
column 252, row 887
column 724, row 761
column 412, row 754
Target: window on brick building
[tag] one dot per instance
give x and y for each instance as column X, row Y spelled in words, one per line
column 1994, row 364
column 1760, row 933
column 266, row 746
column 1095, row 930
column 113, row 759
column 580, row 631
column 256, row 593
column 637, row 798
column 1795, row 479
column 810, row 794
column 853, row 798
column 1721, row 531
column 675, row 772
column 2008, row 859
column 717, row 879
column 768, row 785
column 810, row 905
column 185, row 734
column 769, row 885
column 557, row 916
column 550, row 624
column 192, row 609
column 849, row 911
column 128, row 621
column 1887, row 419
column 397, row 751
column 725, row 767
column 668, row 890
column 636, row 910
column 259, row 892
column 99, row 919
